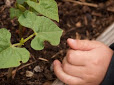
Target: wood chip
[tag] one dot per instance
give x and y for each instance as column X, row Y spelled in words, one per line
column 29, row 74
column 37, row 69
column 43, row 59
column 78, row 24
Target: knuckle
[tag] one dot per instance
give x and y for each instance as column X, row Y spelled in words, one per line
column 90, row 77
column 96, row 62
column 72, row 55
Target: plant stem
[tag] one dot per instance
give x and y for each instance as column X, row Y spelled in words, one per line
column 17, row 44
column 24, row 40
column 9, row 73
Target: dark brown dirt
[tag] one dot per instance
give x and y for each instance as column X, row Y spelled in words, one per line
column 75, row 20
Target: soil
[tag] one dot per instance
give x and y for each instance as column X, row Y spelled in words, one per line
column 76, row 21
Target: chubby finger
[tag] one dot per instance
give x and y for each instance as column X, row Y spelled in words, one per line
column 77, row 57
column 84, row 45
column 77, row 71
column 64, row 77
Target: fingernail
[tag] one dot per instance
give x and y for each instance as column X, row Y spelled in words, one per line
column 71, row 40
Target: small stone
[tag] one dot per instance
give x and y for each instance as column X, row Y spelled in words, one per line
column 29, row 73
column 37, row 69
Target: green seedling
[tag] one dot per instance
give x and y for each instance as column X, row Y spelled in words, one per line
column 35, row 15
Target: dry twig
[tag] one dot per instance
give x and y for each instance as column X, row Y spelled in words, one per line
column 83, row 3
column 89, row 4
column 43, row 59
column 60, row 52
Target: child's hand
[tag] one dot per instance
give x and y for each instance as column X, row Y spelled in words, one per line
column 86, row 63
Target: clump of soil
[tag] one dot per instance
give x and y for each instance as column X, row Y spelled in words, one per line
column 76, row 20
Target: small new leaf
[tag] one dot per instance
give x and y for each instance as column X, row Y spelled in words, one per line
column 15, row 13
column 43, row 27
column 47, row 8
column 10, row 56
column 21, row 7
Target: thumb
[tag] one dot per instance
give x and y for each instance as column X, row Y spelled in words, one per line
column 68, row 79
column 84, row 45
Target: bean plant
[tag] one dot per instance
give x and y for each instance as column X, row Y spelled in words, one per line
column 36, row 15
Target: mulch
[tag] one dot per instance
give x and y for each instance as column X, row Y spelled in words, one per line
column 76, row 20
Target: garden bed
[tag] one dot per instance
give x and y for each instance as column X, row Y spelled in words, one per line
column 76, row 20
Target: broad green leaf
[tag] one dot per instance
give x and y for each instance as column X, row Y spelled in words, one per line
column 10, row 56
column 47, row 8
column 15, row 12
column 20, row 1
column 44, row 28
column 4, row 39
